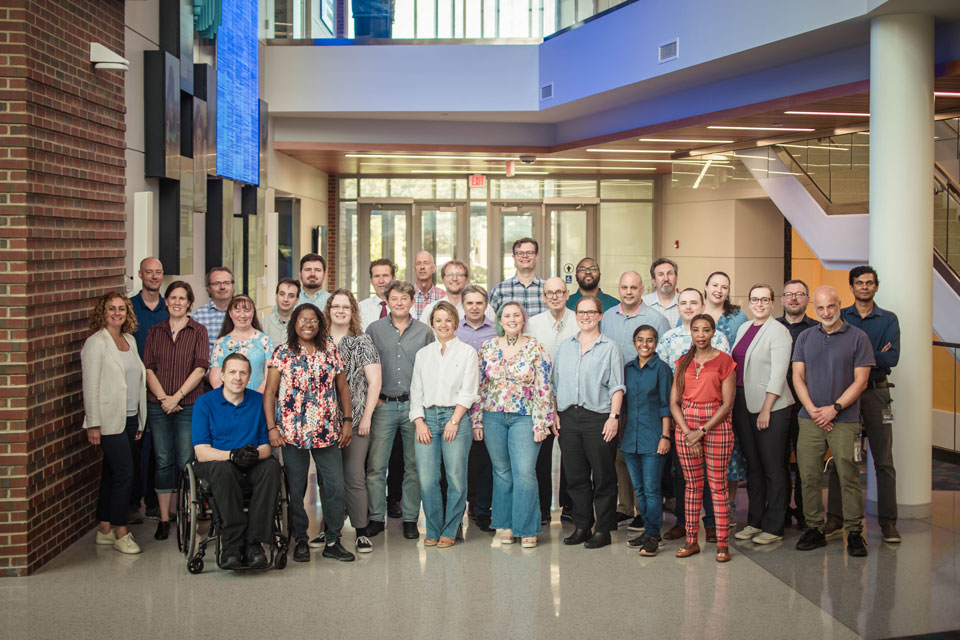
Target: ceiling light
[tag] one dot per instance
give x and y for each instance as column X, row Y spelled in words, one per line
column 686, row 140
column 420, row 157
column 947, row 94
column 519, row 173
column 760, row 128
column 702, row 173
column 630, row 151
column 853, row 114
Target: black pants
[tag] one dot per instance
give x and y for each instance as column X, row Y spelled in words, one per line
column 116, row 474
column 586, row 453
column 479, row 479
column 767, row 488
column 545, row 478
column 792, row 472
column 144, row 472
column 227, row 482
column 395, row 471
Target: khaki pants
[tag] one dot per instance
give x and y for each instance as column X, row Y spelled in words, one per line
column 812, row 443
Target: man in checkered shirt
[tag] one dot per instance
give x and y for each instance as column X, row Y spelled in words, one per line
column 525, row 287
column 220, row 289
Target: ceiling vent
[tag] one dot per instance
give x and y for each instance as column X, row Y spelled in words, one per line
column 546, row 92
column 669, row 51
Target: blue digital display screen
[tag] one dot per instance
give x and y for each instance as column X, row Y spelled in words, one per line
column 238, row 144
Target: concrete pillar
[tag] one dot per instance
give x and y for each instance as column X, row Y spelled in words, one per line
column 901, row 236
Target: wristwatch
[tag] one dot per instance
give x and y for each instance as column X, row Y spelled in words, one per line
column 616, row 416
column 347, row 418
column 662, row 437
column 837, row 407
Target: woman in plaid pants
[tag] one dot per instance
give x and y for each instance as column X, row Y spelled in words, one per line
column 701, row 400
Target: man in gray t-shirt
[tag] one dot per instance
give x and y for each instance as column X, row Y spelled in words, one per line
column 831, row 364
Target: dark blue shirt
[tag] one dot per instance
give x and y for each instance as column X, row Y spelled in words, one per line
column 881, row 326
column 224, row 425
column 647, row 402
column 830, row 360
column 146, row 318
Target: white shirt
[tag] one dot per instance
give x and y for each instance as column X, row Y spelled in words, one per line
column 551, row 333
column 671, row 311
column 452, row 378
column 427, row 310
column 370, row 310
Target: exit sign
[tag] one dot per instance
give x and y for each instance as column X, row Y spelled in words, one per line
column 478, row 181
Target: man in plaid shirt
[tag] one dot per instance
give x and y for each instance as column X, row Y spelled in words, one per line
column 220, row 289
column 425, row 292
column 525, row 287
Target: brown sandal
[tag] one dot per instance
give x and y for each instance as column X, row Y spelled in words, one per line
column 723, row 554
column 445, row 542
column 429, row 542
column 688, row 550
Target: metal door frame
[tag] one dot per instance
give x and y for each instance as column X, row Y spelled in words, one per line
column 364, row 210
column 495, row 233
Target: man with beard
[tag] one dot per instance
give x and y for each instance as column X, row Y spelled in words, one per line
column 664, row 296
column 313, row 270
column 588, row 277
column 426, row 292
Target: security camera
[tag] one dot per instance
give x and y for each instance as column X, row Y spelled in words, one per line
column 528, row 159
column 104, row 59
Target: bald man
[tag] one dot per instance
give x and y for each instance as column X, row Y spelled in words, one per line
column 424, row 268
column 150, row 309
column 831, row 365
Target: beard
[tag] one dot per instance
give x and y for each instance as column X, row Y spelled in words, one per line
column 588, row 286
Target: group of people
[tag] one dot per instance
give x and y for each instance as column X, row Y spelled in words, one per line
column 453, row 396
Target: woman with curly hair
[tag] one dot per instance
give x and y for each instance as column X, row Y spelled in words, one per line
column 113, row 377
column 176, row 356
column 241, row 333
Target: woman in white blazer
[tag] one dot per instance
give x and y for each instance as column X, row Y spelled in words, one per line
column 761, row 415
column 115, row 404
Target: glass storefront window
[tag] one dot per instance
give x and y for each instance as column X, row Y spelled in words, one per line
column 348, row 229
column 388, row 239
column 348, row 188
column 373, row 187
column 569, row 188
column 439, row 233
column 514, row 188
column 411, row 188
column 626, row 189
column 478, row 244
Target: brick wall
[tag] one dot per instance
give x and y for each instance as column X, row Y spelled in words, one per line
column 333, row 213
column 61, row 246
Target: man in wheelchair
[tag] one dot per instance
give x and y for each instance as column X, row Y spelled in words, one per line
column 233, row 449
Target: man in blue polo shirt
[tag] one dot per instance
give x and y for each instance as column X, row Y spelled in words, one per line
column 232, row 446
column 883, row 329
column 831, row 364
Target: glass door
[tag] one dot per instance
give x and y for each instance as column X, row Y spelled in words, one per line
column 572, row 236
column 385, row 231
column 509, row 223
column 440, row 233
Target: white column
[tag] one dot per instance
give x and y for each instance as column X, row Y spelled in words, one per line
column 901, row 236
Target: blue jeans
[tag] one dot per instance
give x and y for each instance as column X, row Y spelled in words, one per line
column 513, row 453
column 329, row 463
column 172, row 442
column 645, row 474
column 387, row 418
column 454, row 454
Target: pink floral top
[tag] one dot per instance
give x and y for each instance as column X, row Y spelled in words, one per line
column 520, row 384
column 308, row 414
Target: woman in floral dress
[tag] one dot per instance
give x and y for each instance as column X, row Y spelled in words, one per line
column 513, row 416
column 241, row 333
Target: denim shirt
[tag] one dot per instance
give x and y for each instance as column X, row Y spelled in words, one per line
column 588, row 380
column 646, row 403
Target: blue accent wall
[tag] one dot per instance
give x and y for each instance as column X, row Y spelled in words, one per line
column 238, row 146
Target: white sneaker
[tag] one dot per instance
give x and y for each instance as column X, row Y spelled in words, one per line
column 126, row 544
column 747, row 533
column 106, row 538
column 766, row 538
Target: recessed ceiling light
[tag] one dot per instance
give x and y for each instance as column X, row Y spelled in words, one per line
column 630, row 151
column 430, row 156
column 760, row 128
column 853, row 114
column 947, row 94
column 686, row 140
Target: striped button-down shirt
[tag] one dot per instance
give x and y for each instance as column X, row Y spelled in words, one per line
column 530, row 296
column 172, row 361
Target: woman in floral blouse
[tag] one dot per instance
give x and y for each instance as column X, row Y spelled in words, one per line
column 513, row 416
column 242, row 333
column 305, row 376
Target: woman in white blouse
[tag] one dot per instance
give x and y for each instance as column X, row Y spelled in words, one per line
column 446, row 377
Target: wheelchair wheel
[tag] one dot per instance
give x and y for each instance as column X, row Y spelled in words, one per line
column 195, row 566
column 188, row 512
column 281, row 529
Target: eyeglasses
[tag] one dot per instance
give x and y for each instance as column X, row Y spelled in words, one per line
column 524, row 254
column 308, row 322
column 588, row 313
column 552, row 295
column 454, row 274
column 793, row 296
column 339, row 307
column 221, row 283
column 761, row 300
column 588, row 269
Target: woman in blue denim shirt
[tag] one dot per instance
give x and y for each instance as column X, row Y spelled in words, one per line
column 646, row 433
column 728, row 317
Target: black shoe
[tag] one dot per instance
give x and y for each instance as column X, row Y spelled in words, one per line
column 231, row 559
column 650, row 546
column 153, row 513
column 483, row 523
column 410, row 531
column 888, row 530
column 337, row 552
column 638, row 542
column 623, row 519
column 134, row 517
column 374, row 527
column 545, row 517
column 163, row 531
column 301, row 552
column 394, row 510
column 636, row 524
column 832, row 528
column 566, row 515
column 811, row 539
column 579, row 536
column 255, row 557
column 318, row 543
column 597, row 540
column 364, row 545
column 856, row 545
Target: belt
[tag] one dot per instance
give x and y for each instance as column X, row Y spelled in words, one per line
column 880, row 384
column 403, row 397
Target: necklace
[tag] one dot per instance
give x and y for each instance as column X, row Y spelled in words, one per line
column 512, row 340
column 698, row 366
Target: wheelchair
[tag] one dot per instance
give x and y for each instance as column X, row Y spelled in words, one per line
column 195, row 503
